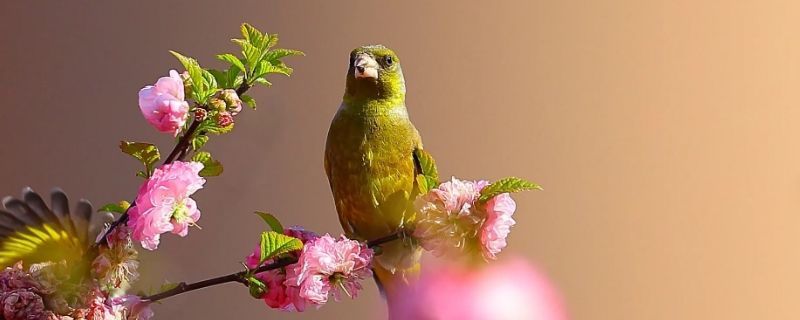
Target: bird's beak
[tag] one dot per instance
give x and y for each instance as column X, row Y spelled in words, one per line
column 366, row 66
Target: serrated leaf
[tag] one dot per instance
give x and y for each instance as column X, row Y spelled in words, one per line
column 220, row 77
column 274, row 244
column 250, row 53
column 210, row 126
column 271, row 221
column 238, row 82
column 252, row 35
column 233, row 60
column 422, row 184
column 230, row 77
column 112, row 207
column 248, row 100
column 263, row 67
column 209, row 79
column 195, row 74
column 270, row 41
column 505, row 185
column 281, row 53
column 211, row 167
column 281, row 67
column 199, row 141
column 427, row 163
column 263, row 81
column 187, row 62
column 146, row 153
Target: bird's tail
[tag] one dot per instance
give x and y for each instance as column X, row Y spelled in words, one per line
column 394, row 285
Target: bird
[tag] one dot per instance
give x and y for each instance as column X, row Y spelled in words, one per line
column 33, row 232
column 371, row 165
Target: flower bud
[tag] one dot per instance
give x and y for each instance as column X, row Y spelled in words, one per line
column 217, row 104
column 232, row 101
column 200, row 114
column 224, row 119
column 257, row 288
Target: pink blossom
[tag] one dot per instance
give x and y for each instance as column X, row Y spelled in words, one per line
column 513, row 290
column 279, row 295
column 164, row 203
column 19, row 304
column 451, row 222
column 495, row 229
column 163, row 104
column 447, row 218
column 329, row 266
column 130, row 307
column 118, row 261
column 232, row 101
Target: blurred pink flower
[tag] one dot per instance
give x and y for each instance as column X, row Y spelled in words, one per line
column 495, row 229
column 164, row 203
column 513, row 290
column 118, row 261
column 279, row 295
column 328, row 266
column 130, row 307
column 163, row 104
column 19, row 304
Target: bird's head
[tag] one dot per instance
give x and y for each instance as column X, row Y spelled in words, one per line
column 374, row 73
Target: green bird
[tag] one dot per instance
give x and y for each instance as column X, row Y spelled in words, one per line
column 370, row 164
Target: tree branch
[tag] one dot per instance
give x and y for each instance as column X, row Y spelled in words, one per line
column 239, row 277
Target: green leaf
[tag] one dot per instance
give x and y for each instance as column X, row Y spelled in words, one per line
column 252, row 35
column 210, row 126
column 168, row 286
column 263, row 81
column 112, row 207
column 270, row 41
column 141, row 174
column 248, row 100
column 280, row 67
column 274, row 244
column 209, row 79
column 231, row 76
column 427, row 163
column 220, row 77
column 211, row 167
column 505, row 185
column 233, row 60
column 250, row 53
column 195, row 74
column 271, row 221
column 422, row 183
column 146, row 153
column 277, row 54
column 426, row 183
column 199, row 141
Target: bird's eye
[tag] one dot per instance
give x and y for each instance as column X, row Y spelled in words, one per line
column 388, row 60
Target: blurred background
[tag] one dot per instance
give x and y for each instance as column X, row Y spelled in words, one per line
column 664, row 134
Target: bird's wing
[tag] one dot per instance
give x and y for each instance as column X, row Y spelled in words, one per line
column 33, row 232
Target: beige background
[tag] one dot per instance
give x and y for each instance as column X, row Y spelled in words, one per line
column 664, row 134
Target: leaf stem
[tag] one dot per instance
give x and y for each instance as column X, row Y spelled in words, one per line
column 239, row 277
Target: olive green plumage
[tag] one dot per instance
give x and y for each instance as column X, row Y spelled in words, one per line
column 370, row 164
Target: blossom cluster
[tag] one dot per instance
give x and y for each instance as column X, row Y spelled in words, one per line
column 45, row 291
column 451, row 221
column 326, row 266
